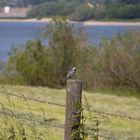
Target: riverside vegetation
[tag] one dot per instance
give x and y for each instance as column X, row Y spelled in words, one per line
column 80, row 10
column 113, row 65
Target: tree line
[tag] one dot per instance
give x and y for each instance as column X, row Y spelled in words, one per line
column 115, row 64
column 81, row 10
column 20, row 3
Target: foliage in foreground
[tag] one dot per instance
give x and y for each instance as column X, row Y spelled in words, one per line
column 114, row 64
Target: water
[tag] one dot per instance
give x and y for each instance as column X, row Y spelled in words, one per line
column 18, row 33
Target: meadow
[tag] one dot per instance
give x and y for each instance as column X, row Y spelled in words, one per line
column 39, row 113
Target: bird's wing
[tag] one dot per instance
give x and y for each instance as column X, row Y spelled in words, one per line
column 70, row 73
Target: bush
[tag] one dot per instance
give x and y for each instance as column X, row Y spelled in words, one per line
column 118, row 61
column 123, row 11
column 113, row 65
column 53, row 9
column 29, row 63
column 82, row 12
column 48, row 66
column 100, row 12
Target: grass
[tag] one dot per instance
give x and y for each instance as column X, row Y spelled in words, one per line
column 50, row 118
column 124, row 92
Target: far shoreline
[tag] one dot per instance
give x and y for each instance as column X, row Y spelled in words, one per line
column 85, row 23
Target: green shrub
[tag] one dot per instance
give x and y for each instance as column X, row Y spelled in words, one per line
column 119, row 61
column 29, row 63
column 48, row 65
column 123, row 11
column 100, row 12
column 53, row 9
column 113, row 65
column 82, row 12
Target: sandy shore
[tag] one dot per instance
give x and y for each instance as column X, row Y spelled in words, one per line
column 26, row 20
column 110, row 23
column 85, row 23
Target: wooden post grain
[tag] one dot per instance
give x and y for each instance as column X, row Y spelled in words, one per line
column 73, row 109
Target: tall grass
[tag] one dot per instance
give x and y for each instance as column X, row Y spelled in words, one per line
column 23, row 119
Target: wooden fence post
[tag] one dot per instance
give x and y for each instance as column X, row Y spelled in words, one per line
column 73, row 109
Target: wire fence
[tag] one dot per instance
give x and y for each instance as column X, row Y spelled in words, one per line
column 28, row 118
column 3, row 93
column 31, row 99
column 116, row 115
column 24, row 118
column 25, row 134
column 41, row 122
column 21, row 118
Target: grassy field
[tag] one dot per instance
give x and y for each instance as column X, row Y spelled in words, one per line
column 46, row 121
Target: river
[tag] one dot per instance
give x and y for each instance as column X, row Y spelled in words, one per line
column 18, row 33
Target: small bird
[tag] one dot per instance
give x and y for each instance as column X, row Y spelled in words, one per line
column 71, row 73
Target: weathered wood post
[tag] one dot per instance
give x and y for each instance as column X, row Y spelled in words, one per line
column 73, row 109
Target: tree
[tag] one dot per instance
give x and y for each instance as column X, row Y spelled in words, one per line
column 119, row 59
column 48, row 66
column 100, row 12
column 82, row 13
column 66, row 45
column 129, row 1
column 29, row 63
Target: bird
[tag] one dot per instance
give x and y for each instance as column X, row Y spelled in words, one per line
column 71, row 73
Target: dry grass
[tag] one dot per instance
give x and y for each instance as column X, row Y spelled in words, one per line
column 50, row 118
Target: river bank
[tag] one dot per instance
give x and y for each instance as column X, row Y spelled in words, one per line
column 26, row 20
column 110, row 23
column 85, row 23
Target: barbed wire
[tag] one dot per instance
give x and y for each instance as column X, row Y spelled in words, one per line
column 28, row 135
column 62, row 127
column 21, row 118
column 18, row 117
column 31, row 99
column 43, row 122
column 62, row 105
column 31, row 136
column 115, row 115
